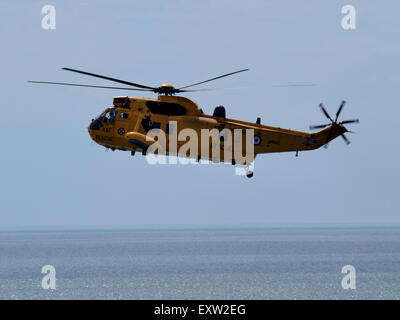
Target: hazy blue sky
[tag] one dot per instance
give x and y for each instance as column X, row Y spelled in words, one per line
column 52, row 174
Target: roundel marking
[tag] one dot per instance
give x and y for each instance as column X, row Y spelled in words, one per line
column 256, row 140
column 121, row 131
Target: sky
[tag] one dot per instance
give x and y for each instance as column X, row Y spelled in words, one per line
column 54, row 176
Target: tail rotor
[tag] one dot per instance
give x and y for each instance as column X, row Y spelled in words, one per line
column 333, row 123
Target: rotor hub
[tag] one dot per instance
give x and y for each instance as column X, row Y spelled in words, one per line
column 334, row 124
column 167, row 89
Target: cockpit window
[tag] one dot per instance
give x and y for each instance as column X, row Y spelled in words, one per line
column 109, row 117
column 100, row 117
column 96, row 123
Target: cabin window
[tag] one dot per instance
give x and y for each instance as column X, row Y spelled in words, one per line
column 156, row 125
column 166, row 108
column 123, row 115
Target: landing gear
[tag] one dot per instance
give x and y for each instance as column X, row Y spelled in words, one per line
column 249, row 174
column 249, row 170
column 132, row 153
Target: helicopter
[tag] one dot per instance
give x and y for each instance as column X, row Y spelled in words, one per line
column 128, row 123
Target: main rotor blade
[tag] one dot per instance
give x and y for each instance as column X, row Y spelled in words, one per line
column 224, row 75
column 87, row 85
column 236, row 88
column 319, row 126
column 325, row 112
column 198, row 90
column 295, row 85
column 109, row 78
column 340, row 109
column 345, row 139
column 209, row 89
column 350, row 121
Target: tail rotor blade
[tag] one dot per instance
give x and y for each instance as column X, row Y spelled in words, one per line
column 345, row 139
column 340, row 110
column 319, row 126
column 325, row 112
column 350, row 121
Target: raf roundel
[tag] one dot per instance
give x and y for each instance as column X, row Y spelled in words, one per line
column 121, row 131
column 256, row 140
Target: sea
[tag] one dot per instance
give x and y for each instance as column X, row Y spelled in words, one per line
column 202, row 263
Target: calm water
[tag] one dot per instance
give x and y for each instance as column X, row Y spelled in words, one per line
column 276, row 263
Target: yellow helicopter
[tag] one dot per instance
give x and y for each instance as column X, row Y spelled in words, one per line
column 129, row 123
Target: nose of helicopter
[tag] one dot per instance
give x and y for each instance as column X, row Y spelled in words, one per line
column 93, row 126
column 90, row 130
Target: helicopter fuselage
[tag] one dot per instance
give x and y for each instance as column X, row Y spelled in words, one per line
column 126, row 125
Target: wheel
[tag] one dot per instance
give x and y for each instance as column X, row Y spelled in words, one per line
column 132, row 153
column 249, row 174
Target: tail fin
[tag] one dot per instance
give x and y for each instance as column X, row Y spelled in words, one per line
column 330, row 133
